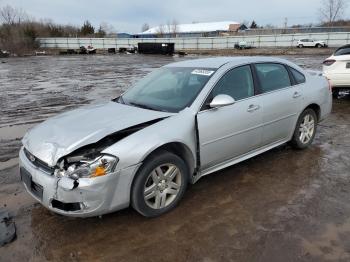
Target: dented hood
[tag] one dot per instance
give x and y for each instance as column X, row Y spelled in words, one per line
column 61, row 135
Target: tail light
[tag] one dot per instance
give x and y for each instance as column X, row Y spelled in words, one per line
column 329, row 62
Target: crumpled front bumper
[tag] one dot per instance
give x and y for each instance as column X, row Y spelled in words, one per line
column 91, row 197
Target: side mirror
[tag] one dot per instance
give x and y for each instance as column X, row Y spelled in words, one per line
column 221, row 101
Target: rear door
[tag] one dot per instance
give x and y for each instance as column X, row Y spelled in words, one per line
column 230, row 131
column 281, row 101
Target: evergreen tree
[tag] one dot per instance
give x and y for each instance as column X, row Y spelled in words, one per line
column 87, row 29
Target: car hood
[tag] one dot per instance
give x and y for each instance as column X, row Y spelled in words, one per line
column 62, row 134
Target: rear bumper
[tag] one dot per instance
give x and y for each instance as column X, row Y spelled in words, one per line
column 91, row 197
column 339, row 80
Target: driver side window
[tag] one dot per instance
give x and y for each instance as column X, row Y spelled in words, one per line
column 237, row 83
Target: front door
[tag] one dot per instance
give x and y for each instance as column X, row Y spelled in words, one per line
column 230, row 131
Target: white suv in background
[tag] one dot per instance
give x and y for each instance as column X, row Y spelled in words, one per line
column 311, row 43
column 337, row 69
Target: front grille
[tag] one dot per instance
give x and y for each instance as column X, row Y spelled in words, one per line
column 38, row 163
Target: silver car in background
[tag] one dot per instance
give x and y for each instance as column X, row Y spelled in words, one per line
column 178, row 124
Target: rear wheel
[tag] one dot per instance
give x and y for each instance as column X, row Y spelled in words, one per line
column 335, row 93
column 159, row 184
column 305, row 129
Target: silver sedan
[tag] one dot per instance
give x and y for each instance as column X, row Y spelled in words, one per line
column 178, row 124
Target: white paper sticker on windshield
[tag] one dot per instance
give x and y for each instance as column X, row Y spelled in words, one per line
column 202, row 72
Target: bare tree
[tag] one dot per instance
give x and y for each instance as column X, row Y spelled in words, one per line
column 160, row 31
column 11, row 16
column 145, row 27
column 169, row 28
column 175, row 28
column 269, row 26
column 108, row 28
column 172, row 28
column 332, row 10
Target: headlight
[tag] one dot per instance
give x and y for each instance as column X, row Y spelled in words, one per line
column 100, row 166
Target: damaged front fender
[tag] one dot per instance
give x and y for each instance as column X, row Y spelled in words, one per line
column 136, row 147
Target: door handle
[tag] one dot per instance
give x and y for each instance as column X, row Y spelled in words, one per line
column 296, row 95
column 253, row 108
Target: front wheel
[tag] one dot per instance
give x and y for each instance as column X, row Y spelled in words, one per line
column 305, row 129
column 318, row 45
column 159, row 184
column 300, row 46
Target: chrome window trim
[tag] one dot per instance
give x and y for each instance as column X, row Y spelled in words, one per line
column 254, row 96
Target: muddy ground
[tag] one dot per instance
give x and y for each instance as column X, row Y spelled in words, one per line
column 284, row 205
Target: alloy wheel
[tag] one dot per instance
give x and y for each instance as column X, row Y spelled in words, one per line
column 162, row 186
column 307, row 129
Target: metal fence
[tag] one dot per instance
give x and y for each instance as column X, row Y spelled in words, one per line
column 197, row 43
column 295, row 30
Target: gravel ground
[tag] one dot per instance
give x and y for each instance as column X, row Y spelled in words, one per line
column 284, row 205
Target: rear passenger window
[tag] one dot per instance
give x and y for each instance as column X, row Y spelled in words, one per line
column 298, row 77
column 272, row 77
column 343, row 51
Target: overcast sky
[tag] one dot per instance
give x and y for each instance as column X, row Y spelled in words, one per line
column 129, row 15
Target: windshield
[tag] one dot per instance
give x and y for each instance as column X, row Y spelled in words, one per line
column 168, row 88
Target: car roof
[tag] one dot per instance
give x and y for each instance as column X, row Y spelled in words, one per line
column 216, row 62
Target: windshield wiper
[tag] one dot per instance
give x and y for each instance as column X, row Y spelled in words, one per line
column 142, row 106
column 120, row 100
column 146, row 107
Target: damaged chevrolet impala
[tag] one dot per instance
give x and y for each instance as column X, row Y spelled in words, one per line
column 181, row 122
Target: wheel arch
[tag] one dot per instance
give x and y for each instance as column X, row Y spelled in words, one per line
column 178, row 148
column 316, row 108
column 181, row 150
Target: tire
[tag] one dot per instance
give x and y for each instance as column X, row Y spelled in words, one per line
column 318, row 45
column 300, row 140
column 335, row 93
column 300, row 46
column 164, row 191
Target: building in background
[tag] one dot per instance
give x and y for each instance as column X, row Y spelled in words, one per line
column 192, row 30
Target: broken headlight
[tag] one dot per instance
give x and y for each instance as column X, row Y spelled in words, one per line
column 100, row 166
